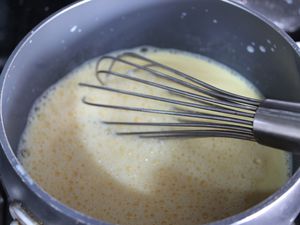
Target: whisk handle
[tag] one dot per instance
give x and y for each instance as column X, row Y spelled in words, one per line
column 277, row 124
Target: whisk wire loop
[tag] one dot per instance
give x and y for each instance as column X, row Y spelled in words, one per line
column 217, row 113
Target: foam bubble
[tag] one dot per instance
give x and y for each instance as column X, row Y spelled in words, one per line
column 183, row 15
column 250, row 49
column 73, row 29
column 262, row 49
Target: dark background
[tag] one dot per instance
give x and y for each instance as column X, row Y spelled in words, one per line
column 18, row 17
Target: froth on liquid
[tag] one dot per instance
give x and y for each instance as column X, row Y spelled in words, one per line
column 127, row 180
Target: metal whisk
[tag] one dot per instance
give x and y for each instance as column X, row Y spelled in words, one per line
column 201, row 110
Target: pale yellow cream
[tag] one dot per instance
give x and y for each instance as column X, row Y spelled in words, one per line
column 129, row 181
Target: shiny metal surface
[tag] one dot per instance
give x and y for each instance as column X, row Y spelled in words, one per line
column 272, row 122
column 277, row 124
column 20, row 216
column 198, row 96
column 284, row 13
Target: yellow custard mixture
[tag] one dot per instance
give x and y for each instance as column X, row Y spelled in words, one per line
column 128, row 180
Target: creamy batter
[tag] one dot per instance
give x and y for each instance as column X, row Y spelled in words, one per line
column 129, row 181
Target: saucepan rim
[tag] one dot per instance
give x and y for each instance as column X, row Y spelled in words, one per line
column 83, row 218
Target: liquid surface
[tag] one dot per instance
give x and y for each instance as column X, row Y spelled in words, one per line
column 128, row 180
